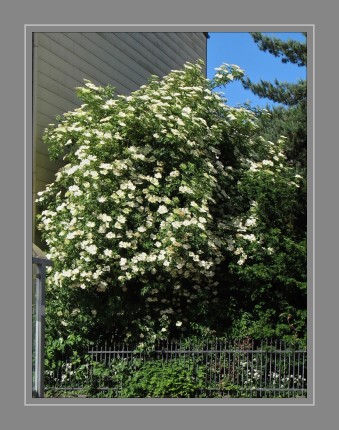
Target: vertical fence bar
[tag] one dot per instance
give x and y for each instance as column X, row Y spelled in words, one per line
column 296, row 374
column 265, row 356
column 91, row 370
column 233, row 353
column 303, row 375
column 289, row 371
column 298, row 380
column 204, row 361
column 249, row 358
column 215, row 364
column 236, row 363
column 180, row 350
column 261, row 369
column 221, row 362
column 87, row 367
column 210, row 364
column 224, row 357
column 291, row 374
column 166, row 351
column 276, row 369
column 254, row 367
column 247, row 376
column 230, row 363
column 284, row 365
column 271, row 367
column 280, row 369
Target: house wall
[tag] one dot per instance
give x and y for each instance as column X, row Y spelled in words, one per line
column 125, row 60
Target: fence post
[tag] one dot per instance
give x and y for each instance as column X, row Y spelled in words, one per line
column 39, row 356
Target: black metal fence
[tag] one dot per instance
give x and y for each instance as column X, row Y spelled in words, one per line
column 218, row 368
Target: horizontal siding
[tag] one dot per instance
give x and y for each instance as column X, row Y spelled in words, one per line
column 75, row 61
column 182, row 51
column 42, row 149
column 116, row 63
column 51, row 74
column 56, row 64
column 166, row 48
column 161, row 51
column 55, row 98
column 46, row 116
column 124, row 60
column 49, row 167
column 127, row 54
column 199, row 39
column 146, row 57
column 83, row 51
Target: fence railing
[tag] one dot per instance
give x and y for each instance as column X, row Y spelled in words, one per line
column 219, row 368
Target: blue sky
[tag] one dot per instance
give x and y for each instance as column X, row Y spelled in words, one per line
column 239, row 48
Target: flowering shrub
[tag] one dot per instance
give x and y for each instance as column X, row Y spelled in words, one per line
column 160, row 194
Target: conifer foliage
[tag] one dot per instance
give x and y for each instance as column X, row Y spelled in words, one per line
column 290, row 51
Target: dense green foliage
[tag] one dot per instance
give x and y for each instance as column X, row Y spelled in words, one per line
column 287, row 219
column 149, row 379
column 156, row 379
column 172, row 217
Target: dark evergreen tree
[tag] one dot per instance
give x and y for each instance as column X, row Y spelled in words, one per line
column 290, row 52
column 270, row 296
column 290, row 119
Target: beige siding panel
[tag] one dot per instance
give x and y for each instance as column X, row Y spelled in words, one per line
column 42, row 148
column 49, row 167
column 50, row 73
column 57, row 88
column 173, row 47
column 42, row 160
column 46, row 116
column 194, row 39
column 132, row 45
column 200, row 40
column 142, row 50
column 56, row 62
column 126, row 62
column 56, row 101
column 81, row 52
column 197, row 42
column 113, row 58
column 73, row 65
column 179, row 47
column 47, row 174
column 47, row 111
column 156, row 52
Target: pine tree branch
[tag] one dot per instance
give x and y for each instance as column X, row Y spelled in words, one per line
column 279, row 92
column 289, row 51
